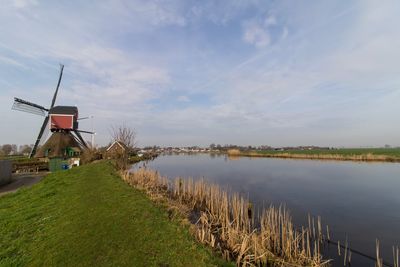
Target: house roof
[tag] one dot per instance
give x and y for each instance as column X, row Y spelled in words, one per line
column 119, row 143
column 68, row 110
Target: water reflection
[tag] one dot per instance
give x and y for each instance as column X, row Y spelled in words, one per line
column 357, row 200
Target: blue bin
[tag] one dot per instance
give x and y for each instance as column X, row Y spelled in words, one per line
column 65, row 167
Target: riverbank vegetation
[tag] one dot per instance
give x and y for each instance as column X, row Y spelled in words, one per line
column 226, row 222
column 356, row 154
column 88, row 216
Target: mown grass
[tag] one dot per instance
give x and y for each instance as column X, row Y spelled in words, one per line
column 88, row 216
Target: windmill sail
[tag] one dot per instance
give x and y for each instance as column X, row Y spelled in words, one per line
column 88, row 132
column 82, row 141
column 58, row 85
column 33, row 152
column 46, row 120
column 29, row 107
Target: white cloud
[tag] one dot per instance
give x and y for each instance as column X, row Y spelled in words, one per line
column 160, row 14
column 24, row 3
column 11, row 61
column 183, row 98
column 224, row 11
column 259, row 31
column 256, row 35
column 150, row 13
column 285, row 32
column 326, row 73
column 270, row 20
column 371, row 56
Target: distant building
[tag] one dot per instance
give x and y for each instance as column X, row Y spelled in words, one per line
column 115, row 149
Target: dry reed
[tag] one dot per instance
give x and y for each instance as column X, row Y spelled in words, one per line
column 379, row 262
column 351, row 157
column 226, row 222
column 396, row 257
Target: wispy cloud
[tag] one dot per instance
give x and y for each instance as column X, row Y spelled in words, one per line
column 259, row 31
column 194, row 72
column 183, row 98
column 24, row 3
column 255, row 34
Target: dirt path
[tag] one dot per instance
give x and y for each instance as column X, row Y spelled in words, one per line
column 21, row 180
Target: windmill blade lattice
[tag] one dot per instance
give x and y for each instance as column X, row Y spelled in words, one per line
column 28, row 107
column 58, row 86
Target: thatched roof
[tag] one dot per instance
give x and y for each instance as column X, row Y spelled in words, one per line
column 57, row 144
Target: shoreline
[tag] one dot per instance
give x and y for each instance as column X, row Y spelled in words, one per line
column 225, row 222
column 336, row 157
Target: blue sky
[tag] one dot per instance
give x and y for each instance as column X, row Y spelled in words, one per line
column 199, row 72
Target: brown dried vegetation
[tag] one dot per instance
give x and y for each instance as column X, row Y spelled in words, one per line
column 227, row 223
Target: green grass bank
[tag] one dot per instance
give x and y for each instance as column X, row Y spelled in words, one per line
column 88, row 216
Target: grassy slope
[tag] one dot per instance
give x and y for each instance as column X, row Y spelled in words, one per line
column 88, row 217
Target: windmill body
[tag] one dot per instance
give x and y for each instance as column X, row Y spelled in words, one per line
column 66, row 140
column 63, row 118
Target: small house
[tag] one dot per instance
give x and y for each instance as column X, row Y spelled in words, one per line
column 117, row 148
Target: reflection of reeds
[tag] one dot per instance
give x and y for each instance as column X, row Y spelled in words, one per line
column 378, row 258
column 396, row 256
column 226, row 223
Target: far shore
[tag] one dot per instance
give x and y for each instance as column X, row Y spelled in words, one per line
column 370, row 155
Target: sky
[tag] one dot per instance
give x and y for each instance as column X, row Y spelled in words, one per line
column 247, row 72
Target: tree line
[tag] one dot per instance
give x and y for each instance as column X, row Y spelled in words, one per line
column 13, row 149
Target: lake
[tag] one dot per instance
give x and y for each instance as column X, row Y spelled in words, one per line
column 356, row 199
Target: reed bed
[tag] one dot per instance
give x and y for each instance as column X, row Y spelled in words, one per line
column 227, row 222
column 362, row 157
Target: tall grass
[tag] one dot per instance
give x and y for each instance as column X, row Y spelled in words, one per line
column 227, row 222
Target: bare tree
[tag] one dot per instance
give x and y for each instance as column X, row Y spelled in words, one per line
column 124, row 134
column 14, row 149
column 7, row 148
column 25, row 149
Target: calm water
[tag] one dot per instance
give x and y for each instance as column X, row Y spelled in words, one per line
column 360, row 200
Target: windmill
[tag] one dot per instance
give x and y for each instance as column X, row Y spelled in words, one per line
column 63, row 123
